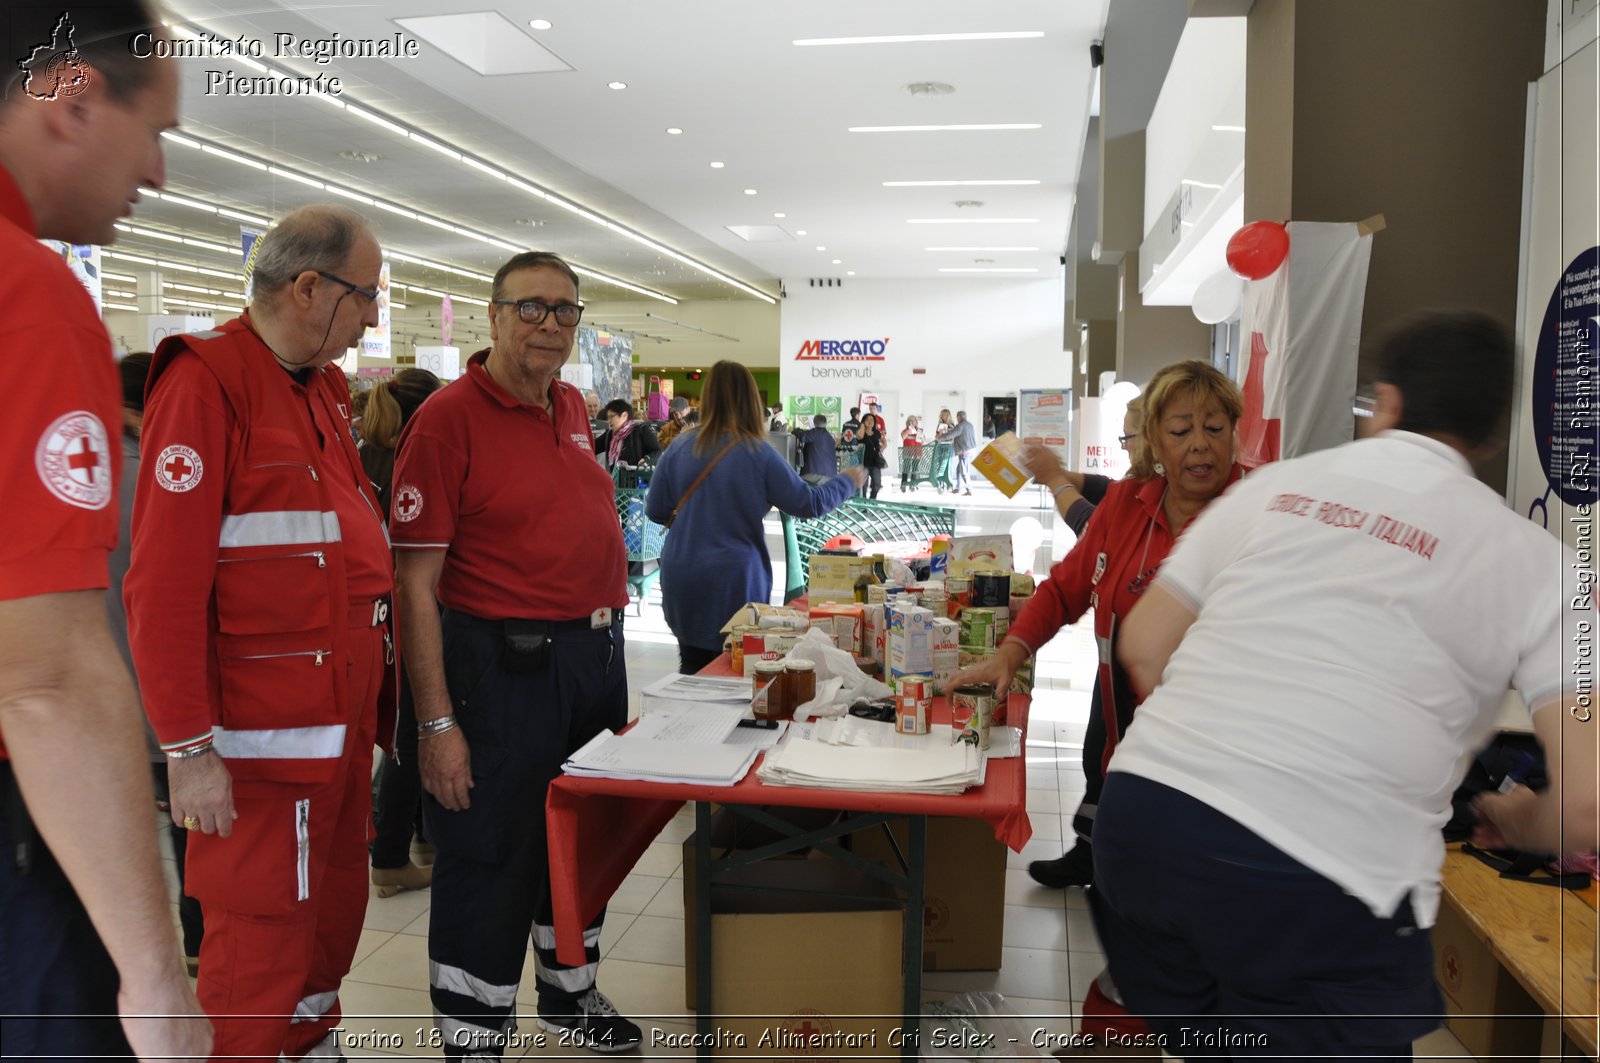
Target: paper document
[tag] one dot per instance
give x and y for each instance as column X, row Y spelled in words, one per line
column 714, row 688
column 630, row 756
column 689, row 722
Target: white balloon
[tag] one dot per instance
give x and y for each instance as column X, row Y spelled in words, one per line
column 1219, row 297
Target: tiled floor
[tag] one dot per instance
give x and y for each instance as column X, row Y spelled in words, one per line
column 1050, row 953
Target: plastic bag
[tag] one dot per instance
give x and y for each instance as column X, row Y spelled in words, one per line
column 839, row 682
column 977, row 1026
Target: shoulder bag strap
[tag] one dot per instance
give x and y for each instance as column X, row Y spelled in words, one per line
column 698, row 480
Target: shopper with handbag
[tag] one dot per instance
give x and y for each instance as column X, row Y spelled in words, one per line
column 872, row 459
column 714, row 489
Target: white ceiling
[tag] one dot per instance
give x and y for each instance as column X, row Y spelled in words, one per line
column 724, row 71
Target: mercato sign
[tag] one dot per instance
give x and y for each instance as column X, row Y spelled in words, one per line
column 842, row 350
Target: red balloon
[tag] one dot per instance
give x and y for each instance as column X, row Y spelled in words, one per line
column 1258, row 249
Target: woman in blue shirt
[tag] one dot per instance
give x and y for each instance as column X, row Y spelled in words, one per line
column 720, row 480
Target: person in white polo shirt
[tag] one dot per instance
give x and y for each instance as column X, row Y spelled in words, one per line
column 1331, row 641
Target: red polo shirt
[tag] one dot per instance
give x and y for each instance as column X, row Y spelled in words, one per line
column 515, row 496
column 60, row 439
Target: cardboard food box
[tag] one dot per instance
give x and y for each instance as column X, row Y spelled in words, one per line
column 845, row 622
column 799, row 975
column 964, row 890
column 975, row 553
column 1487, row 1009
column 833, row 577
column 909, row 643
column 1002, row 465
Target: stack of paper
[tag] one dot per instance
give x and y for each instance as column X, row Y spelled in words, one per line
column 673, row 691
column 854, row 754
column 688, row 745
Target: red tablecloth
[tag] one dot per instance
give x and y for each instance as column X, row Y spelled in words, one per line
column 599, row 828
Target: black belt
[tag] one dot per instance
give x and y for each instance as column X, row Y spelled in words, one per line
column 455, row 616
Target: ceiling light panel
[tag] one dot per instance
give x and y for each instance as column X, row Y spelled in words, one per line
column 485, row 41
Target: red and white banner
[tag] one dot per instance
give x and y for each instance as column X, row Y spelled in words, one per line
column 1301, row 330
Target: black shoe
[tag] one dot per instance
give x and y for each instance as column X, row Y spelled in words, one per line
column 594, row 1025
column 1075, row 867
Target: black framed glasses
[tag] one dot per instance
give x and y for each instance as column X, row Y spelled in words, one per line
column 1125, row 440
column 532, row 311
column 368, row 294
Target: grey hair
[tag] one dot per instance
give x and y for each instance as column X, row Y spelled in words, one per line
column 315, row 237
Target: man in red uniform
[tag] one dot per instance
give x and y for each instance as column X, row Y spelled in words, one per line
column 83, row 903
column 258, row 603
column 503, row 517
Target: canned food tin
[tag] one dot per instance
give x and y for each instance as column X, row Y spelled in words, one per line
column 977, row 627
column 991, row 589
column 911, row 714
column 736, row 646
column 959, row 590
column 972, row 711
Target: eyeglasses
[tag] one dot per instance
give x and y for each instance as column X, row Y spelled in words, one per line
column 369, row 294
column 1125, row 440
column 532, row 311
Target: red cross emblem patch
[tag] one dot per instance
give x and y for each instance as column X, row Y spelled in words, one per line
column 73, row 459
column 179, row 468
column 407, row 503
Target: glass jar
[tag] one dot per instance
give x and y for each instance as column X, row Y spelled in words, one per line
column 801, row 677
column 771, row 692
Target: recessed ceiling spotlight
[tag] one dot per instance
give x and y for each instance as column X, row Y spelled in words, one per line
column 849, row 273
column 838, row 261
column 779, row 214
column 540, row 23
column 962, row 204
column 749, row 191
column 617, row 85
column 799, row 232
column 718, row 165
column 674, row 130
column 930, row 88
column 821, row 248
column 534, row 222
column 360, row 156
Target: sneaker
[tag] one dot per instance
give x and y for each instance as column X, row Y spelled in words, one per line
column 1075, row 867
column 387, row 881
column 595, row 1025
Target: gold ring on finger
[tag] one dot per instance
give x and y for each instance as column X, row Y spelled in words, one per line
column 191, row 822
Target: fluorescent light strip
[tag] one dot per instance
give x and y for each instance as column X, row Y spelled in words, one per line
column 917, row 38
column 942, row 128
column 1227, row 129
column 980, row 249
column 990, row 269
column 950, row 184
column 972, row 221
column 231, row 157
column 278, row 171
column 112, row 293
column 125, row 278
column 485, row 167
column 435, row 145
column 121, row 306
column 376, row 119
column 472, row 234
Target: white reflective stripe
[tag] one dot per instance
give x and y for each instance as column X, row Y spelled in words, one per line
column 302, row 838
column 1104, row 645
column 567, row 979
column 288, row 743
column 285, row 527
column 459, row 1034
column 314, row 1007
column 455, row 980
column 544, row 937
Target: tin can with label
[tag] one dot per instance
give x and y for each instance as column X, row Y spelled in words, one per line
column 991, row 589
column 736, row 646
column 912, row 704
column 977, row 627
column 958, row 592
column 971, row 712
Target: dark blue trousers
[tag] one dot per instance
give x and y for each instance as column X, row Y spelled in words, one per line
column 491, row 872
column 58, row 988
column 1231, row 949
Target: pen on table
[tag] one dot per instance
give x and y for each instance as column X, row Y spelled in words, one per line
column 764, row 725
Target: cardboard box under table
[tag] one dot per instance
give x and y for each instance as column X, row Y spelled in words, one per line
column 806, row 958
column 598, row 829
column 1505, row 952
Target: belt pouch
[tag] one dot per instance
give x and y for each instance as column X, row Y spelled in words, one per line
column 526, row 647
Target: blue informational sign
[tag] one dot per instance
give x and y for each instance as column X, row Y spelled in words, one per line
column 1563, row 393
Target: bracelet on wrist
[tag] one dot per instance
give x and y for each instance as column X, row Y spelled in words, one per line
column 436, row 727
column 191, row 752
column 1055, row 492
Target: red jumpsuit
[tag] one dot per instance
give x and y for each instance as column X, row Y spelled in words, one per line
column 257, row 612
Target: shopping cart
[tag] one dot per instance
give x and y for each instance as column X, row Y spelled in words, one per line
column 643, row 538
column 867, row 519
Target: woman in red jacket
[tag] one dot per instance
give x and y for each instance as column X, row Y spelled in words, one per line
column 1182, row 460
